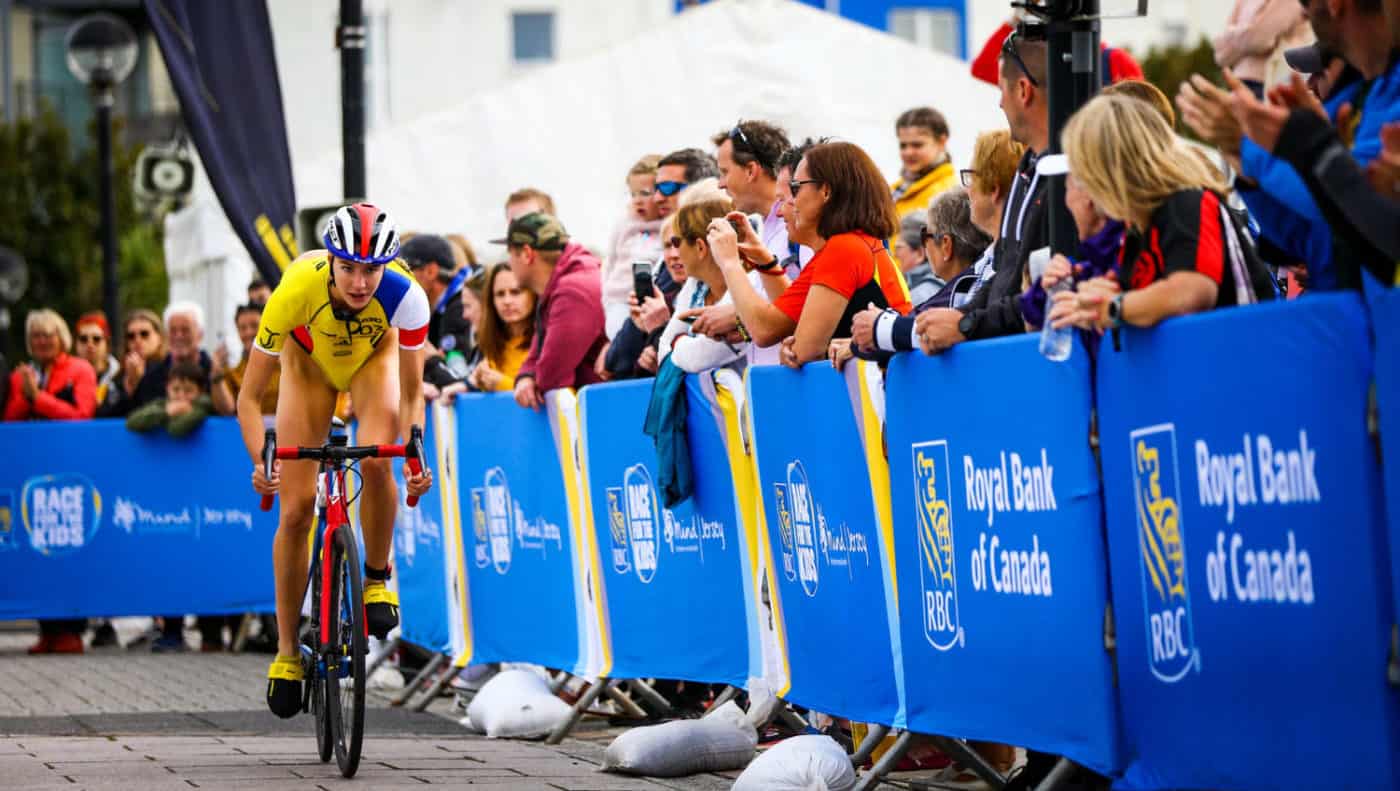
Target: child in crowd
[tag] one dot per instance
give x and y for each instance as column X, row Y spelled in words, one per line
column 636, row 238
column 184, row 407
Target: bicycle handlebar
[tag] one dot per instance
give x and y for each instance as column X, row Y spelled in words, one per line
column 412, row 451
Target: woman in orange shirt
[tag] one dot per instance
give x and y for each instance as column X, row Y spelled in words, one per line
column 842, row 209
column 506, row 332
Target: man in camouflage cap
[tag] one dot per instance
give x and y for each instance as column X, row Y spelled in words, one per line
column 569, row 311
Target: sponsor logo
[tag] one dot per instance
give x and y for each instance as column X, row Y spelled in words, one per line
column 500, row 516
column 131, row 516
column 481, row 556
column 780, row 501
column 61, row 513
column 1171, row 648
column 804, row 526
column 938, row 570
column 642, row 519
column 7, row 520
column 617, row 531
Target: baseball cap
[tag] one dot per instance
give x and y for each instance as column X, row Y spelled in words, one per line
column 1310, row 59
column 426, row 248
column 536, row 229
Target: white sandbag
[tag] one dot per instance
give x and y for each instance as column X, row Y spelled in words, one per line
column 718, row 742
column 516, row 704
column 812, row 762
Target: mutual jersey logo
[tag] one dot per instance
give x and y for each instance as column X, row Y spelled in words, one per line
column 937, row 569
column 1171, row 646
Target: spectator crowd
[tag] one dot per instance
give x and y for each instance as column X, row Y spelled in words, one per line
column 761, row 249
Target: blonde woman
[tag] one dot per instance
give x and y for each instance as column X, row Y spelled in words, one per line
column 704, row 287
column 1182, row 252
column 54, row 385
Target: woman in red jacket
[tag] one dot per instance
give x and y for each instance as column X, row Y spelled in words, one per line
column 55, row 385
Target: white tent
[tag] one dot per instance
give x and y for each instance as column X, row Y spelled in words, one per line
column 573, row 129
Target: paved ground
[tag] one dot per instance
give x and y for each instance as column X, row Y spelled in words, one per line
column 133, row 720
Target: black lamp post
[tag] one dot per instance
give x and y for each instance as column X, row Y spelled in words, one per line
column 101, row 53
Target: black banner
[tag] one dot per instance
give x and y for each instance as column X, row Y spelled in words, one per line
column 224, row 69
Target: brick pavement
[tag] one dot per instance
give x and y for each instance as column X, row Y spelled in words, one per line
column 113, row 719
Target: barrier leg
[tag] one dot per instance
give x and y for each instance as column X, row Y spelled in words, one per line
column 240, row 636
column 1060, row 773
column 628, row 706
column 959, row 751
column 873, row 736
column 586, row 700
column 423, row 675
column 378, row 659
column 643, row 690
column 557, row 682
column 727, row 694
column 436, row 688
column 789, row 717
column 887, row 762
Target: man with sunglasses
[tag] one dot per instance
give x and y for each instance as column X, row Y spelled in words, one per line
column 678, row 170
column 994, row 310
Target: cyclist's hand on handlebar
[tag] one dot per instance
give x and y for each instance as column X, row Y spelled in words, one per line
column 264, row 485
column 418, row 485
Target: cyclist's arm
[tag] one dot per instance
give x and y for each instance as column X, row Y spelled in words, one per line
column 410, row 390
column 262, row 367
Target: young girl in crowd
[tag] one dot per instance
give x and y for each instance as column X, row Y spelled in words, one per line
column 506, row 331
column 636, row 238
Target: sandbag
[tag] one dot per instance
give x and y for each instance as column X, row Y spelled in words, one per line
column 812, row 762
column 719, row 742
column 516, row 704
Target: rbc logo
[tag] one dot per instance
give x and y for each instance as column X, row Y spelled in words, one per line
column 499, row 517
column 1171, row 643
column 937, row 572
column 482, row 557
column 7, row 520
column 617, row 531
column 785, row 530
column 804, row 526
column 642, row 520
column 60, row 513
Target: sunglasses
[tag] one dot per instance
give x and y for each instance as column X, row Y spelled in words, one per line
column 674, row 241
column 90, row 338
column 965, row 175
column 669, row 188
column 1009, row 49
column 134, row 334
column 796, row 184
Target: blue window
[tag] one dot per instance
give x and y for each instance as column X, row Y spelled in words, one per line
column 532, row 34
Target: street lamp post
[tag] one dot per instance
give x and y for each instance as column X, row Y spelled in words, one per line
column 101, row 53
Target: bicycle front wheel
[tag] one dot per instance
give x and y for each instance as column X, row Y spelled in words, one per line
column 345, row 661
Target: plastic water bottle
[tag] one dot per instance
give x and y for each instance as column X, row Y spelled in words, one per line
column 1054, row 344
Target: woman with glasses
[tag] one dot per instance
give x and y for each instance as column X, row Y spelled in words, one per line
column 92, row 341
column 913, row 260
column 704, row 287
column 842, row 209
column 145, row 345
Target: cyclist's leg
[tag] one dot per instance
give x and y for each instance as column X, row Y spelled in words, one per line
column 305, row 402
column 374, row 391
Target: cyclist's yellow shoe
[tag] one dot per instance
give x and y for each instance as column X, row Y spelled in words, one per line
column 284, row 677
column 381, row 608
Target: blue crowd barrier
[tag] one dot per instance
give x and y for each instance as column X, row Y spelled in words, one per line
column 999, row 543
column 654, row 563
column 833, row 588
column 522, row 567
column 1385, row 314
column 1248, row 558
column 427, row 547
column 96, row 520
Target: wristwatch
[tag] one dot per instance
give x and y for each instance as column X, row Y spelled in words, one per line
column 967, row 324
column 772, row 267
column 1115, row 311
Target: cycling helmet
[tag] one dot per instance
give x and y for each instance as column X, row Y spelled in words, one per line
column 364, row 233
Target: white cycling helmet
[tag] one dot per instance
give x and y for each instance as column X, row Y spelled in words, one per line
column 364, row 233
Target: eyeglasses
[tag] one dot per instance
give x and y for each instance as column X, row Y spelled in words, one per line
column 965, row 175
column 94, row 339
column 642, row 194
column 1009, row 49
column 669, row 188
column 132, row 335
column 796, row 184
